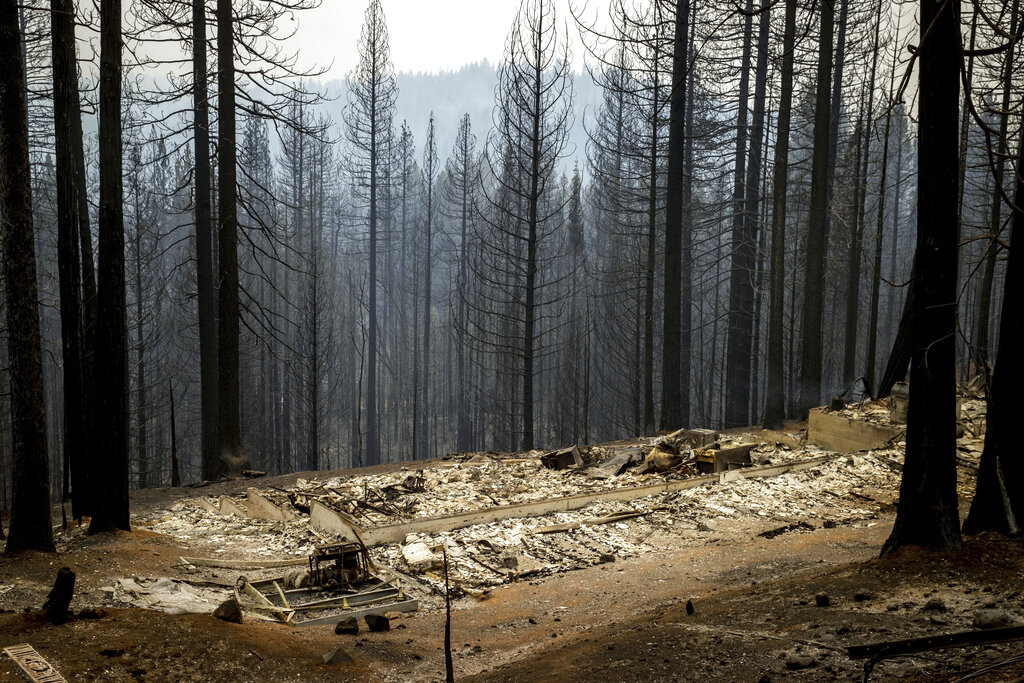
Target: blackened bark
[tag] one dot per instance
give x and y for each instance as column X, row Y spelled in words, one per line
column 65, row 106
column 205, row 291
column 232, row 458
column 741, row 288
column 981, row 344
column 810, row 357
column 81, row 478
column 111, row 420
column 852, row 330
column 141, row 410
column 927, row 514
column 998, row 503
column 671, row 384
column 429, row 166
column 30, row 508
column 775, row 408
column 56, row 605
column 175, row 476
column 876, row 279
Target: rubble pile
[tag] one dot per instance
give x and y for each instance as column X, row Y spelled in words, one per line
column 804, row 487
column 875, row 412
column 841, row 491
column 232, row 536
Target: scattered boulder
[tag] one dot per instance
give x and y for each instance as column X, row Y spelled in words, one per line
column 605, row 558
column 338, row 656
column 799, row 660
column 229, row 610
column 378, row 623
column 821, row 600
column 689, row 608
column 991, row 618
column 347, row 627
column 863, row 595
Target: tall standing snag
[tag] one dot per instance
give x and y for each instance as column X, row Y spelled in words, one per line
column 231, row 456
column 928, row 514
column 532, row 112
column 205, row 291
column 810, row 357
column 775, row 405
column 675, row 407
column 30, row 509
column 111, row 421
column 372, row 95
column 998, row 503
column 65, row 110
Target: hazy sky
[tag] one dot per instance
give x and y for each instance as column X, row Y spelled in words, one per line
column 426, row 35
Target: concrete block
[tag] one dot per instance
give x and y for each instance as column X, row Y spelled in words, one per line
column 258, row 507
column 842, row 434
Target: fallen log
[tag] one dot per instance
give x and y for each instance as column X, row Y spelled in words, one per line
column 891, row 648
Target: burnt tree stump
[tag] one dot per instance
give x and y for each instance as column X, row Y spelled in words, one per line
column 56, row 605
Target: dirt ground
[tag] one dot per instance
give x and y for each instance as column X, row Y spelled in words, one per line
column 754, row 615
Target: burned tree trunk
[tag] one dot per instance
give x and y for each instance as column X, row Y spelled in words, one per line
column 231, row 456
column 30, row 508
column 810, row 356
column 671, row 384
column 998, row 503
column 927, row 514
column 775, row 404
column 65, row 108
column 205, row 291
column 111, row 473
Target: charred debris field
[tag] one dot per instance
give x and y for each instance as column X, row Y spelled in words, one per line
column 696, row 555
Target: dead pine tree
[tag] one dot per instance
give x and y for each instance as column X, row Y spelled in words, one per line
column 371, row 107
column 111, row 423
column 744, row 237
column 65, row 111
column 429, row 172
column 532, row 114
column 205, row 291
column 675, row 407
column 810, row 357
column 231, row 456
column 775, row 408
column 927, row 514
column 30, row 509
column 998, row 503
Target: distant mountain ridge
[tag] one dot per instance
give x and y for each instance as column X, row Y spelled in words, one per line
column 450, row 94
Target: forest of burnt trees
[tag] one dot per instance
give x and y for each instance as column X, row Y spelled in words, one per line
column 234, row 268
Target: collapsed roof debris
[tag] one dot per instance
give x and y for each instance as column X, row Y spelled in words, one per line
column 507, row 517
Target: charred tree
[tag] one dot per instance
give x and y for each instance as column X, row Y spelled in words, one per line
column 205, row 290
column 998, row 503
column 674, row 408
column 927, row 514
column 30, row 508
column 65, row 111
column 231, row 457
column 775, row 408
column 110, row 508
column 744, row 249
column 372, row 95
column 814, row 270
